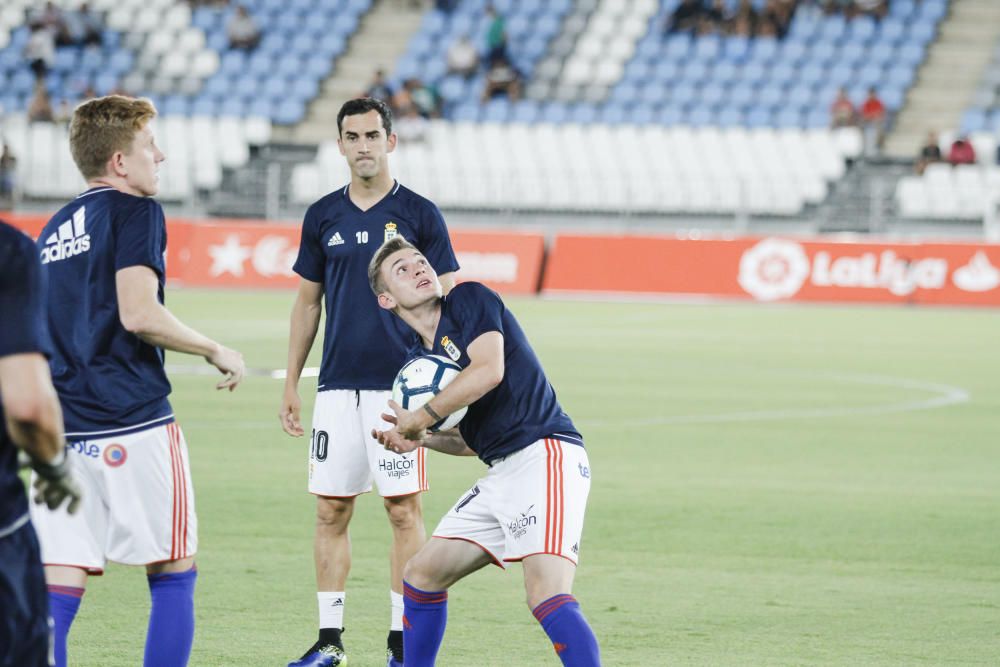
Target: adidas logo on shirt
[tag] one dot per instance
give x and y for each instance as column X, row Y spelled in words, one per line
column 336, row 239
column 69, row 240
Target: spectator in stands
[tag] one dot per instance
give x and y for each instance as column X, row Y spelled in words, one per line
column 379, row 88
column 776, row 18
column 463, row 59
column 242, row 30
column 496, row 34
column 40, row 107
column 84, row 27
column 49, row 17
column 686, row 17
column 929, row 153
column 842, row 112
column 873, row 121
column 64, row 113
column 962, row 151
column 502, row 78
column 744, row 23
column 8, row 171
column 424, row 98
column 411, row 127
column 874, row 8
column 40, row 50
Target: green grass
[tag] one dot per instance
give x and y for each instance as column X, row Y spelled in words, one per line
column 726, row 526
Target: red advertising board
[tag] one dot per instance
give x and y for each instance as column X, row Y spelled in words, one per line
column 777, row 269
column 242, row 253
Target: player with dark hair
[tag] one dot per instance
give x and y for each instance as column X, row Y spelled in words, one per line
column 30, row 419
column 530, row 505
column 103, row 256
column 363, row 347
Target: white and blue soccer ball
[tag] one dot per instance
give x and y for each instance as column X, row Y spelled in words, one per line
column 420, row 380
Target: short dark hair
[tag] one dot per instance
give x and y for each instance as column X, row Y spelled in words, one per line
column 395, row 244
column 363, row 105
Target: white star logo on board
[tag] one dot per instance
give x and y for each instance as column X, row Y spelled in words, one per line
column 229, row 257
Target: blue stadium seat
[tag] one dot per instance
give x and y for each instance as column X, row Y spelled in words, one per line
column 583, row 112
column 641, row 114
column 736, row 48
column 496, row 110
column 730, row 117
column 974, row 120
column 672, row 114
column 232, row 107
column 788, row 118
column 174, row 105
column 289, row 112
column 554, row 112
column 525, row 111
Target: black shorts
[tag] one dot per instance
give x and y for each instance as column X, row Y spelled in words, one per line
column 24, row 602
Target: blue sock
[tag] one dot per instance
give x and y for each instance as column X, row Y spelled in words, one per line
column 171, row 620
column 569, row 631
column 424, row 616
column 64, row 601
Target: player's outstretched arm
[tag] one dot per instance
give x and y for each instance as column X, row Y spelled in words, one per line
column 34, row 420
column 141, row 313
column 303, row 325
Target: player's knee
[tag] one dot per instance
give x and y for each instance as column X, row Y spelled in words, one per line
column 418, row 573
column 334, row 513
column 404, row 513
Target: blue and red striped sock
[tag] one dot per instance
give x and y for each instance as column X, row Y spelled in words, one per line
column 64, row 602
column 569, row 631
column 425, row 614
column 171, row 619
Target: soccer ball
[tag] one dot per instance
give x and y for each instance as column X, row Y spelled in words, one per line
column 420, row 380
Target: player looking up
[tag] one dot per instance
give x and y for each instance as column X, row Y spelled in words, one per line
column 530, row 505
column 30, row 419
column 363, row 347
column 103, row 256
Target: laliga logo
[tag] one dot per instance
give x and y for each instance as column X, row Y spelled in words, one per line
column 777, row 269
column 773, row 269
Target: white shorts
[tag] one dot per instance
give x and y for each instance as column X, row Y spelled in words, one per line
column 531, row 502
column 137, row 506
column 343, row 456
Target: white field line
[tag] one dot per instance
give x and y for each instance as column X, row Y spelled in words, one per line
column 941, row 395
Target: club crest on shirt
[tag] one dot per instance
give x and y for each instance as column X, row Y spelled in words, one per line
column 451, row 348
column 391, row 230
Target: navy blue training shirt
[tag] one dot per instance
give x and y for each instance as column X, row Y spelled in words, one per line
column 109, row 380
column 22, row 331
column 364, row 346
column 520, row 410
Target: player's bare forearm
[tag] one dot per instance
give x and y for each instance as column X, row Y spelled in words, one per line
column 142, row 314
column 447, row 281
column 31, row 407
column 484, row 372
column 448, row 442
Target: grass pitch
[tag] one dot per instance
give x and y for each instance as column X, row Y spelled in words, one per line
column 771, row 486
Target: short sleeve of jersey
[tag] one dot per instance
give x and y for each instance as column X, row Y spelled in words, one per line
column 21, row 289
column 476, row 309
column 311, row 261
column 434, row 241
column 141, row 237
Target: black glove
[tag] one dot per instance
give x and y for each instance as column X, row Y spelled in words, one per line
column 54, row 484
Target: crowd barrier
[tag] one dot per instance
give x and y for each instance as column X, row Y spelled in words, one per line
column 239, row 253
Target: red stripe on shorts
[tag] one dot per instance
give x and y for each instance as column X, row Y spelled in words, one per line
column 176, row 536
column 554, row 497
